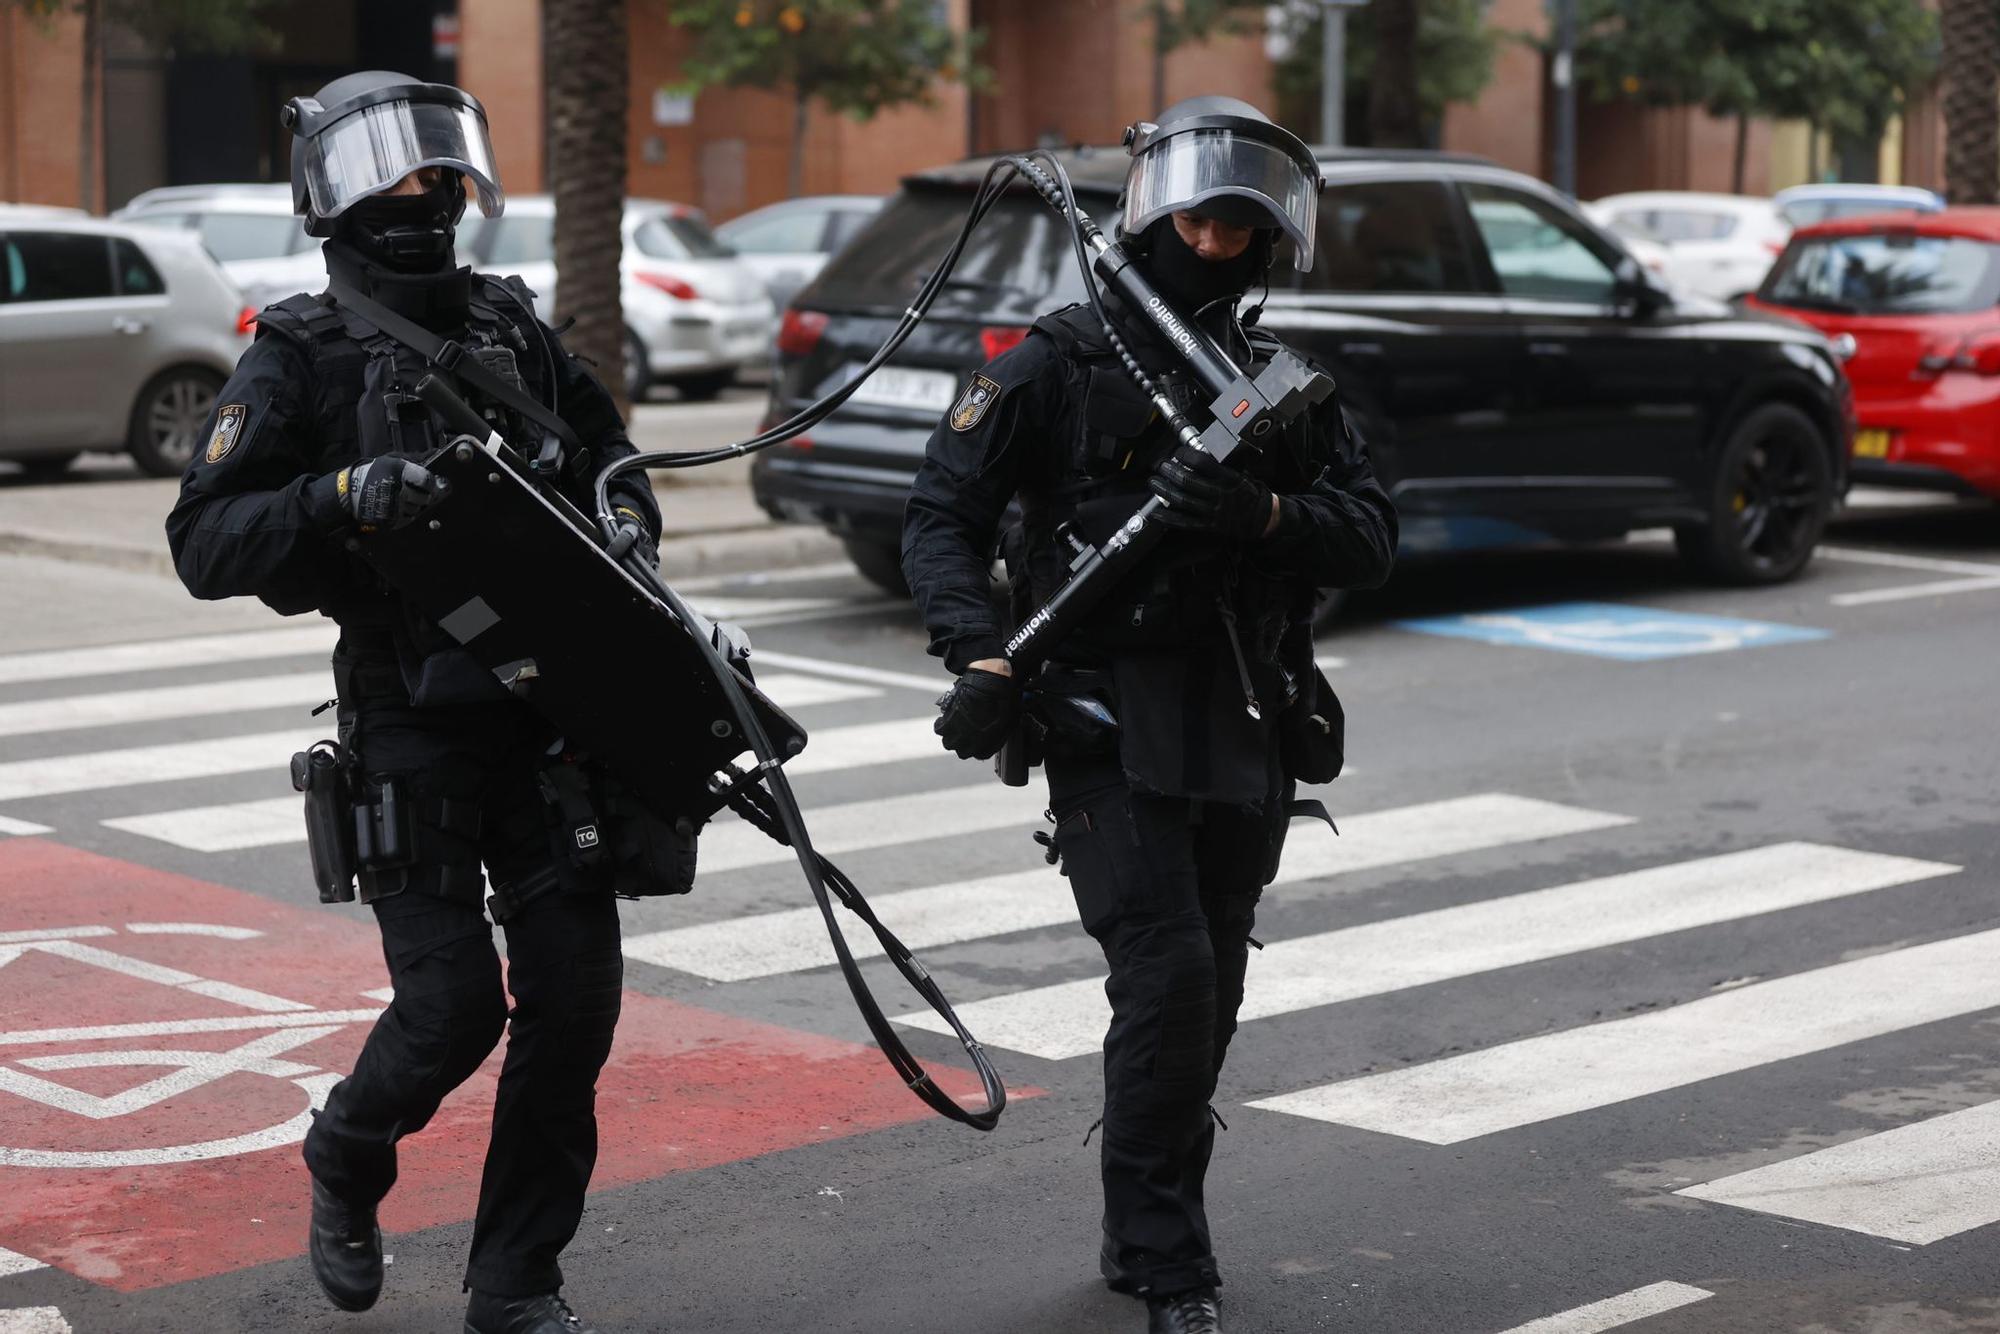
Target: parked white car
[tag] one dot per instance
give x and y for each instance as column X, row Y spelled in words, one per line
column 250, row 229
column 789, row 242
column 1803, row 205
column 695, row 314
column 112, row 337
column 1718, row 246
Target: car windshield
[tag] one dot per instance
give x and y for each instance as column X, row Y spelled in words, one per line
column 1887, row 273
column 234, row 236
column 1019, row 255
column 1805, row 212
column 678, row 236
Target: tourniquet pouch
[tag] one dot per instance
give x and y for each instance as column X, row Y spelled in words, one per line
column 606, row 837
column 1183, row 730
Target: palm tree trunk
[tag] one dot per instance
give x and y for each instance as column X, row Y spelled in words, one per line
column 1742, row 165
column 93, row 102
column 587, row 78
column 1971, row 77
column 1395, row 115
column 795, row 175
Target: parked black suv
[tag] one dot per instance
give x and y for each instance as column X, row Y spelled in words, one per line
column 1518, row 376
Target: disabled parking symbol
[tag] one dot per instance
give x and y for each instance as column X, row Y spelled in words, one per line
column 1614, row 630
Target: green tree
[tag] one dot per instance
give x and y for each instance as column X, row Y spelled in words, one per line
column 1971, row 78
column 858, row 57
column 206, row 25
column 1404, row 85
column 1844, row 67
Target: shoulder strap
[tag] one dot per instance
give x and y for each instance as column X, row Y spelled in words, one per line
column 1075, row 332
column 452, row 357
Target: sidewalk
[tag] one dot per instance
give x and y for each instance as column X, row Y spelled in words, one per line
column 710, row 522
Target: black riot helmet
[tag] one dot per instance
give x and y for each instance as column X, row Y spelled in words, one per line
column 362, row 133
column 1226, row 159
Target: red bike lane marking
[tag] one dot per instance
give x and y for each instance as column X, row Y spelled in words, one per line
column 686, row 1087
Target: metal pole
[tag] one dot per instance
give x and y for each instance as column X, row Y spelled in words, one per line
column 1333, row 74
column 1564, row 78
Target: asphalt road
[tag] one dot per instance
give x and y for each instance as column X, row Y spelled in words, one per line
column 1655, row 967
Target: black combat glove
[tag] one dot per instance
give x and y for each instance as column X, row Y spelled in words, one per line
column 1205, row 494
column 388, row 492
column 975, row 716
column 632, row 534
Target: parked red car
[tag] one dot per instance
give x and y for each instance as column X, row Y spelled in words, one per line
column 1919, row 294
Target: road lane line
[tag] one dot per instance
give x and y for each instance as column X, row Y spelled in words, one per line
column 1560, row 1074
column 161, row 1028
column 933, row 685
column 139, row 706
column 1917, row 1183
column 172, row 762
column 1906, row 592
column 1897, row 560
column 880, row 822
column 154, row 654
column 1069, row 1019
column 22, row 828
column 224, row 828
column 1638, row 1304
column 768, row 944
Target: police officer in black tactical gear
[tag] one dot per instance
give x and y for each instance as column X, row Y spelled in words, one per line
column 1168, row 825
column 316, row 440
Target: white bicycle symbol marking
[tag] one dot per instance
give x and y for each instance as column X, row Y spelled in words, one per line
column 289, row 1025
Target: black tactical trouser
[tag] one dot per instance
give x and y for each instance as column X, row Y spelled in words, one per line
column 565, row 974
column 1169, row 888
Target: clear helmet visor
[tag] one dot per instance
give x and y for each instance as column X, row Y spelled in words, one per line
column 370, row 150
column 1186, row 171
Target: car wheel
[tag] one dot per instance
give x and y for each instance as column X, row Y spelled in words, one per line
column 638, row 375
column 169, row 417
column 44, row 467
column 880, row 564
column 1768, row 501
column 701, row 388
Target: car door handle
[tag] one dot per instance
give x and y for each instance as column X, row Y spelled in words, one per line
column 1548, row 349
column 126, row 326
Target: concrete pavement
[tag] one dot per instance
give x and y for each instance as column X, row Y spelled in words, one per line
column 109, row 515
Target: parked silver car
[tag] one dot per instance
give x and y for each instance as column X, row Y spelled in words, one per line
column 788, row 243
column 695, row 314
column 112, row 336
column 250, row 229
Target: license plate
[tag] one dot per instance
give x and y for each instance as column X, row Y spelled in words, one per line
column 1871, row 444
column 900, row 387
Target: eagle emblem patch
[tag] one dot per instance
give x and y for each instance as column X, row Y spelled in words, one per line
column 228, row 427
column 972, row 404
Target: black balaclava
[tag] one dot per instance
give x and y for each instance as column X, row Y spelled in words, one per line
column 410, row 234
column 1193, row 283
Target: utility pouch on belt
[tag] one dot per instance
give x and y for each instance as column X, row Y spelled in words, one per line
column 607, row 833
column 322, row 773
column 1312, row 731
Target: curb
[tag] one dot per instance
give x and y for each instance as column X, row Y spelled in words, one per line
column 769, row 547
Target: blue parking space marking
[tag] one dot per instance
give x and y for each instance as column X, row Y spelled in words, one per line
column 1612, row 630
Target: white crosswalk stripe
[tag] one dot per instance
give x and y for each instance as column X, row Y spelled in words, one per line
column 772, row 943
column 1627, row 1307
column 1561, row 1074
column 152, row 705
column 131, row 765
column 160, row 654
column 1917, row 1183
column 1069, row 1019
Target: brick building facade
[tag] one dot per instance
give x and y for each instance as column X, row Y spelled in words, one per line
column 1063, row 71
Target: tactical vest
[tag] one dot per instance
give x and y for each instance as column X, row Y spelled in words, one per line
column 1109, row 442
column 363, row 405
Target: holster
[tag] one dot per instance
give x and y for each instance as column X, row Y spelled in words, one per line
column 325, row 774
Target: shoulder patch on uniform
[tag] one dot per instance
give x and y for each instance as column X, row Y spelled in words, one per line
column 228, row 429
column 972, row 404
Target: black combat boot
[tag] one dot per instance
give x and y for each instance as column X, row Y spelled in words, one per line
column 346, row 1250
column 1184, row 1313
column 544, row 1313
